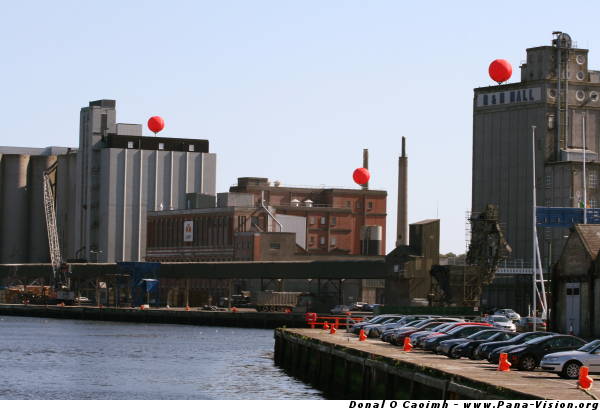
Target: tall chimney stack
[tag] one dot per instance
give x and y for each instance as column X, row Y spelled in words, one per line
column 365, row 165
column 402, row 221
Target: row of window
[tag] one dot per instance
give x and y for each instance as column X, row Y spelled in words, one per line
column 359, row 204
column 161, row 146
column 332, row 241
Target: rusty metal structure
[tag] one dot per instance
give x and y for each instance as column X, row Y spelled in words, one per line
column 463, row 284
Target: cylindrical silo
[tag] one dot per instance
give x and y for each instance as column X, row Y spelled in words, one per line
column 38, row 235
column 370, row 239
column 14, row 227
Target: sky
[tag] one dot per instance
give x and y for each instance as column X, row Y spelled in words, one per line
column 290, row 91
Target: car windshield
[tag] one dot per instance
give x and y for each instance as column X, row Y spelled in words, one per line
column 413, row 323
column 378, row 319
column 500, row 319
column 591, row 346
column 538, row 339
column 483, row 334
column 456, row 330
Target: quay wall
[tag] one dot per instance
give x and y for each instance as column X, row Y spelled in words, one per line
column 261, row 320
column 343, row 372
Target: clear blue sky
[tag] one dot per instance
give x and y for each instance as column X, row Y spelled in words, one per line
column 282, row 88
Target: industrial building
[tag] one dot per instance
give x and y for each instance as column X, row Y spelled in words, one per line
column 576, row 283
column 342, row 221
column 560, row 96
column 103, row 189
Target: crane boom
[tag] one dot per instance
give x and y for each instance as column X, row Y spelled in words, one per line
column 53, row 243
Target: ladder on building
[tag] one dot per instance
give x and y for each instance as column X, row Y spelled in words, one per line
column 53, row 243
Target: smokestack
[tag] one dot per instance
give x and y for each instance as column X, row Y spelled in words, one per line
column 365, row 165
column 402, row 221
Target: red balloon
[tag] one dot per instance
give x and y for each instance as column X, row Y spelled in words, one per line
column 500, row 70
column 361, row 176
column 156, row 124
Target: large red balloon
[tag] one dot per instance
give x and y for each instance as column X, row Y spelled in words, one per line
column 500, row 70
column 156, row 124
column 361, row 176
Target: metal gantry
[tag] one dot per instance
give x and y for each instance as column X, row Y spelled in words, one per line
column 53, row 243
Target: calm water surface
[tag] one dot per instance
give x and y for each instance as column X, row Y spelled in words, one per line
column 69, row 359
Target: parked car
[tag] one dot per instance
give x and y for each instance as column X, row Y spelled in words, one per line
column 339, row 309
column 484, row 350
column 417, row 337
column 450, row 347
column 525, row 324
column 82, row 299
column 527, row 356
column 373, row 330
column 432, row 342
column 355, row 328
column 567, row 364
column 509, row 313
column 468, row 348
column 501, row 322
column 396, row 336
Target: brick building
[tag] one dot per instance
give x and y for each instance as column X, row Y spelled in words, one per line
column 336, row 219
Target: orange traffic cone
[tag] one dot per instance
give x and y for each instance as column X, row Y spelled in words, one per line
column 234, row 309
column 326, row 325
column 407, row 346
column 362, row 336
column 504, row 364
column 585, row 382
column 187, row 308
column 332, row 329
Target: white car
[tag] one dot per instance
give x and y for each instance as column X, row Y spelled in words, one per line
column 567, row 364
column 509, row 313
column 501, row 322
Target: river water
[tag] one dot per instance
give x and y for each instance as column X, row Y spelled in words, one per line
column 70, row 359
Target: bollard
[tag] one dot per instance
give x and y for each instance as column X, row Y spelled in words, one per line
column 407, row 346
column 504, row 364
column 332, row 330
column 362, row 336
column 326, row 325
column 585, row 382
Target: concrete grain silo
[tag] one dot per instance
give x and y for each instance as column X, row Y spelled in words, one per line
column 14, row 224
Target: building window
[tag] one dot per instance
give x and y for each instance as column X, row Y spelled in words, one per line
column 161, row 145
column 311, row 240
column 333, row 220
column 275, row 245
column 311, row 220
column 191, row 148
column 348, row 204
column 333, row 241
column 323, row 220
column 370, row 205
column 592, row 180
column 548, row 181
column 129, row 144
column 358, row 206
column 322, row 240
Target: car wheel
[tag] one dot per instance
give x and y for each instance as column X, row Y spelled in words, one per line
column 528, row 363
column 570, row 370
column 453, row 353
column 472, row 356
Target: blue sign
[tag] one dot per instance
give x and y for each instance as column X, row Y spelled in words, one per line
column 549, row 217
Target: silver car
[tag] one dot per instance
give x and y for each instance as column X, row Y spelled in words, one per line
column 501, row 322
column 509, row 313
column 567, row 364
